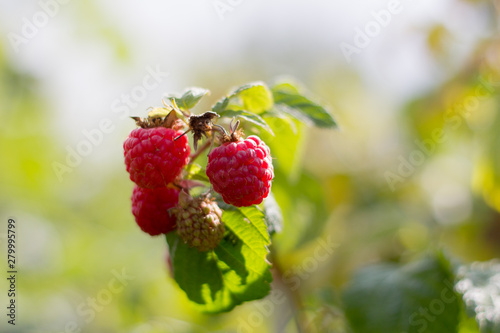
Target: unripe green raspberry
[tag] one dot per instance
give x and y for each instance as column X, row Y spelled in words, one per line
column 199, row 222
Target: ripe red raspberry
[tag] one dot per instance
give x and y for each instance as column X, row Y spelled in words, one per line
column 150, row 208
column 153, row 158
column 241, row 171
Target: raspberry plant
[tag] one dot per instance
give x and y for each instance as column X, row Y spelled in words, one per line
column 218, row 218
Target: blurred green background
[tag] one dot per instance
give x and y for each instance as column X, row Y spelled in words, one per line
column 413, row 167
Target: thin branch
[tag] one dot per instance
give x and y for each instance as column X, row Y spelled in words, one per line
column 199, row 151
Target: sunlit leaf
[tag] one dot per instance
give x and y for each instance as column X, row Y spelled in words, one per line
column 256, row 97
column 276, row 112
column 196, row 172
column 189, row 98
column 286, row 145
column 253, row 97
column 250, row 117
column 221, row 105
column 234, row 272
column 301, row 107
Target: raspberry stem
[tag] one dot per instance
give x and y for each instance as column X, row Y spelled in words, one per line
column 199, row 151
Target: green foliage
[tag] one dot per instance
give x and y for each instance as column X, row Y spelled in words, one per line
column 234, row 272
column 237, row 270
column 291, row 101
column 189, row 98
column 286, row 145
column 196, row 172
column 417, row 297
column 256, row 97
column 285, row 124
column 253, row 118
column 253, row 97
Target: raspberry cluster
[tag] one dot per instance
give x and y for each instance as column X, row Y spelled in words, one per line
column 156, row 152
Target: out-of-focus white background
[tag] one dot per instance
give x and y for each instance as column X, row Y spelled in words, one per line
column 75, row 52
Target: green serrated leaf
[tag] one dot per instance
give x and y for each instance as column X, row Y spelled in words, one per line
column 196, row 172
column 221, row 105
column 287, row 87
column 254, row 222
column 197, row 274
column 190, row 98
column 286, row 145
column 275, row 112
column 418, row 297
column 300, row 107
column 480, row 288
column 255, row 97
column 250, row 117
column 235, row 272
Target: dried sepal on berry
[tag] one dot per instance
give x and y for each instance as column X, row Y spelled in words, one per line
column 161, row 117
column 236, row 133
column 199, row 221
